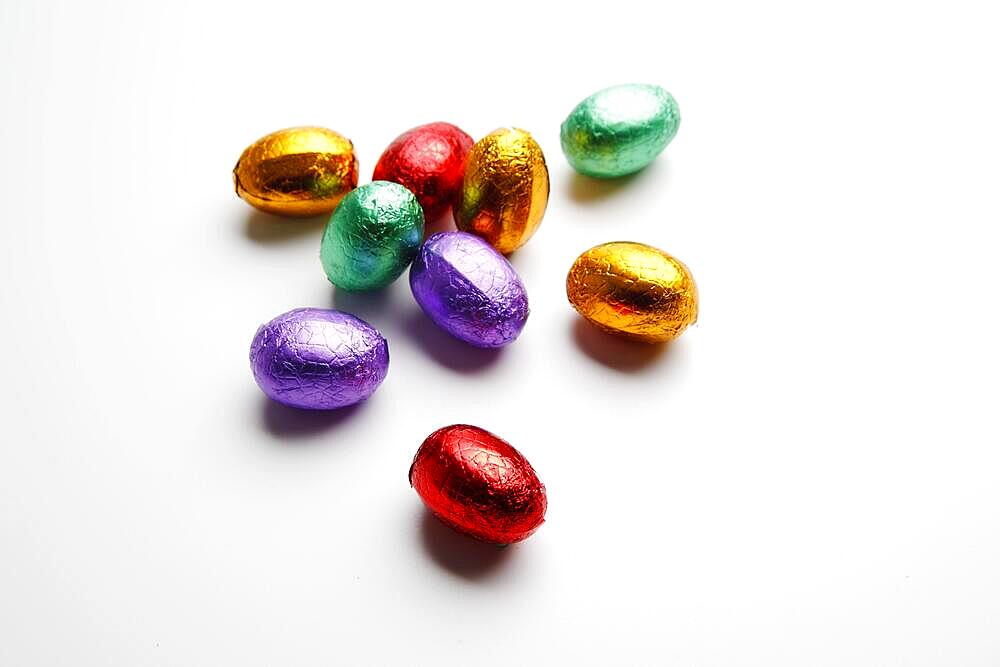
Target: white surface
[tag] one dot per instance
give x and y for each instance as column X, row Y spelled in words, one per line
column 809, row 477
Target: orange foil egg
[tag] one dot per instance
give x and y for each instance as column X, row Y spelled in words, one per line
column 300, row 171
column 478, row 484
column 505, row 189
column 633, row 290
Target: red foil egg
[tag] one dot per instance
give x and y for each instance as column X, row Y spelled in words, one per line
column 428, row 160
column 478, row 484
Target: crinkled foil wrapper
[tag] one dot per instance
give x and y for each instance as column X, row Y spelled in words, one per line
column 478, row 484
column 469, row 289
column 372, row 236
column 318, row 359
column 619, row 130
column 301, row 171
column 429, row 160
column 505, row 189
column 633, row 290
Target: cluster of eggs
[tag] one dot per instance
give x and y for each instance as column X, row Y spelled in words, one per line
column 497, row 189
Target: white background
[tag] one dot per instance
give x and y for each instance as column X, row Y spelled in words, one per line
column 810, row 476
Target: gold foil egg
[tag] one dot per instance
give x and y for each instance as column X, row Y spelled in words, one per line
column 505, row 189
column 633, row 290
column 300, row 171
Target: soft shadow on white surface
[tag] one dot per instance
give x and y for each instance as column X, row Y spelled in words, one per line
column 370, row 306
column 448, row 350
column 617, row 353
column 461, row 555
column 266, row 229
column 586, row 190
column 289, row 424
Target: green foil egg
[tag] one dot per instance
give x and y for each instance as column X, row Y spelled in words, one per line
column 619, row 130
column 372, row 236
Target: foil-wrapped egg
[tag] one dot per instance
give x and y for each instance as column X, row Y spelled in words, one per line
column 429, row 160
column 478, row 484
column 619, row 130
column 318, row 359
column 300, row 171
column 505, row 189
column 469, row 289
column 633, row 290
column 372, row 236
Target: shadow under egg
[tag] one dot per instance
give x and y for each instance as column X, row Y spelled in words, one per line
column 447, row 350
column 618, row 353
column 287, row 423
column 587, row 189
column 460, row 554
column 368, row 304
column 270, row 229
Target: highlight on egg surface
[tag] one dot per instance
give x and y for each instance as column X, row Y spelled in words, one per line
column 633, row 290
column 477, row 483
column 505, row 189
column 318, row 359
column 429, row 160
column 299, row 171
column 619, row 130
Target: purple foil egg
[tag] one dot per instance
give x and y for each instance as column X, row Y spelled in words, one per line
column 469, row 289
column 318, row 359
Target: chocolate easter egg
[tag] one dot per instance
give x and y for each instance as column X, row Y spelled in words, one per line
column 505, row 189
column 372, row 236
column 318, row 359
column 469, row 289
column 300, row 171
column 478, row 484
column 633, row 290
column 428, row 160
column 619, row 130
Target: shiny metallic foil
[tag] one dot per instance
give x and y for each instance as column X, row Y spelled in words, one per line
column 478, row 484
column 429, row 160
column 619, row 130
column 298, row 172
column 469, row 289
column 505, row 189
column 372, row 236
column 318, row 359
column 633, row 290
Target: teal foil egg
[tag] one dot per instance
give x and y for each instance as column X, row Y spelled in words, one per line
column 619, row 130
column 372, row 236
